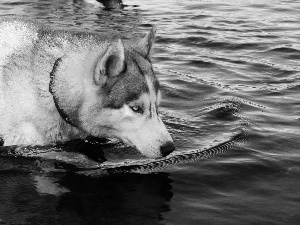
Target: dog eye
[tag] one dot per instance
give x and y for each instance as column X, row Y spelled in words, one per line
column 136, row 109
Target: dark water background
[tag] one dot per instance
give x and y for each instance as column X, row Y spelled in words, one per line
column 215, row 60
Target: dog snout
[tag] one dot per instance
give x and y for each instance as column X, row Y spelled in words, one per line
column 167, row 148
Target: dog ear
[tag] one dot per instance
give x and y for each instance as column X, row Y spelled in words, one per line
column 145, row 45
column 111, row 63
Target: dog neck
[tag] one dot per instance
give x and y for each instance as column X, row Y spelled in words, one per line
column 61, row 112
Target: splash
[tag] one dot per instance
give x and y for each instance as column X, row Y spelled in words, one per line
column 173, row 160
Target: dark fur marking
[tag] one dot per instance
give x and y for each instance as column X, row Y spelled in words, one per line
column 152, row 77
column 150, row 107
column 156, row 85
column 139, row 68
column 131, row 83
column 128, row 86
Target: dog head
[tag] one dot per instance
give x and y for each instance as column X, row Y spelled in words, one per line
column 114, row 93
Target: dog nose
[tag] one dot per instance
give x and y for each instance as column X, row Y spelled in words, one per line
column 167, row 148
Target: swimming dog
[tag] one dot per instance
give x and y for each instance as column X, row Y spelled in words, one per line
column 58, row 85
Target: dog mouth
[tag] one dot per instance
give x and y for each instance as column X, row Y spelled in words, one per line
column 123, row 147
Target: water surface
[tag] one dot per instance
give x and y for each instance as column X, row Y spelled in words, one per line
column 224, row 67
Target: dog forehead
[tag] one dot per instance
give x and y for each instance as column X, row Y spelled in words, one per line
column 145, row 68
column 138, row 79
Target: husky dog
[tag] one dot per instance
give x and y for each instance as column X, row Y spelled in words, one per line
column 58, row 85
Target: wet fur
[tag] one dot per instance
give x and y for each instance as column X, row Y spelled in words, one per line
column 57, row 85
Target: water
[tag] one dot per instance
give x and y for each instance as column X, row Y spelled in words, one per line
column 225, row 68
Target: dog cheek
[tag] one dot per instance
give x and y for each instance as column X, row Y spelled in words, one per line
column 101, row 122
column 90, row 118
